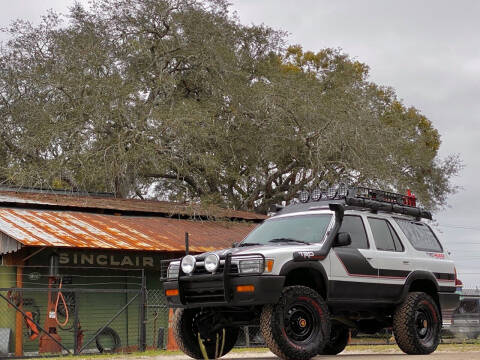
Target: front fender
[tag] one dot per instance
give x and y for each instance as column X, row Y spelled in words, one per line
column 315, row 266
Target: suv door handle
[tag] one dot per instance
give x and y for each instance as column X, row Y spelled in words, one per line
column 368, row 258
column 406, row 262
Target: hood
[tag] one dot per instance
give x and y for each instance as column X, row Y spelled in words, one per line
column 265, row 250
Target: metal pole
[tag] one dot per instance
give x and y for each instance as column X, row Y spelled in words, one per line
column 142, row 325
column 126, row 312
column 186, row 243
column 18, row 316
column 75, row 326
column 36, row 323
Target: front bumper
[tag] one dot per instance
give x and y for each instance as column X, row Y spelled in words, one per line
column 213, row 290
column 449, row 301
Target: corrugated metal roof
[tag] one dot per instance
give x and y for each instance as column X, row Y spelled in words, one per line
column 99, row 203
column 8, row 244
column 32, row 227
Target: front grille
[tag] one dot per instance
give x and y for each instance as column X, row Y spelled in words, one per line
column 200, row 269
column 204, row 292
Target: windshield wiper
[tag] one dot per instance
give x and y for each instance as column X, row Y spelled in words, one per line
column 280, row 240
column 249, row 244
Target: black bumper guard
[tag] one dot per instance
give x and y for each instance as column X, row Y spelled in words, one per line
column 212, row 280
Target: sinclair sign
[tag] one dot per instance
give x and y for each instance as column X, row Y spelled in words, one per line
column 108, row 259
column 103, row 258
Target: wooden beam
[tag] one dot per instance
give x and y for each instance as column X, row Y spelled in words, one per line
column 18, row 316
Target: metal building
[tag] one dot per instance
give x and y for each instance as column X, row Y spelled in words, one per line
column 86, row 269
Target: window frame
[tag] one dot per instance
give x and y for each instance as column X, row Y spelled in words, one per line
column 390, row 228
column 364, row 230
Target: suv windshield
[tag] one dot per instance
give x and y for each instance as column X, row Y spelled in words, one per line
column 290, row 230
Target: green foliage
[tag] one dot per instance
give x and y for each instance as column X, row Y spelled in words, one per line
column 176, row 99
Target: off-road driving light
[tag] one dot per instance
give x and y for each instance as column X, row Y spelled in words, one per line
column 342, row 190
column 211, row 262
column 304, row 196
column 188, row 264
column 316, row 194
column 251, row 266
column 332, row 193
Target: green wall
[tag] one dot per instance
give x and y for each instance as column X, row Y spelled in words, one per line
column 7, row 314
column 95, row 309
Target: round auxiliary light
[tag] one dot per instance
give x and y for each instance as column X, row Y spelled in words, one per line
column 304, row 196
column 316, row 194
column 188, row 264
column 211, row 262
column 332, row 193
column 342, row 190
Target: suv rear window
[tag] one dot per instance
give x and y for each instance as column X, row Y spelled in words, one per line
column 420, row 235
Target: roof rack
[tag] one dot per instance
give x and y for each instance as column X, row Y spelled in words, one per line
column 360, row 197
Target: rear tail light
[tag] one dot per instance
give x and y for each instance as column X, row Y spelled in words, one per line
column 458, row 282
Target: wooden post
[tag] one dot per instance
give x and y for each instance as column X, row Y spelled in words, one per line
column 19, row 316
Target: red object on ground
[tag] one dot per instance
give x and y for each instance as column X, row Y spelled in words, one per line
column 31, row 325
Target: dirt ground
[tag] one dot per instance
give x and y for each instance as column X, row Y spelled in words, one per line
column 456, row 352
column 467, row 355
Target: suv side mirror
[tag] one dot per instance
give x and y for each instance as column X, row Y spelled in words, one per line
column 342, row 239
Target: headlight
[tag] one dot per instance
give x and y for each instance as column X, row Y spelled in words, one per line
column 188, row 264
column 172, row 272
column 211, row 262
column 251, row 266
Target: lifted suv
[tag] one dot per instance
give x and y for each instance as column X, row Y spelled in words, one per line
column 353, row 258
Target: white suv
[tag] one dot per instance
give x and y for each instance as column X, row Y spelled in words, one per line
column 350, row 258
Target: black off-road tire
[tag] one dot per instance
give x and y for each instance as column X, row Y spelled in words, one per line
column 298, row 326
column 339, row 337
column 416, row 324
column 187, row 338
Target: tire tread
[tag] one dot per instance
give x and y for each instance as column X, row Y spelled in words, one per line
column 404, row 336
column 273, row 341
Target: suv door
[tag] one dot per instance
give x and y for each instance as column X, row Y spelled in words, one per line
column 391, row 258
column 352, row 275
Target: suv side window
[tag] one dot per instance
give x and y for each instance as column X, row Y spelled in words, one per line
column 354, row 226
column 385, row 237
column 420, row 235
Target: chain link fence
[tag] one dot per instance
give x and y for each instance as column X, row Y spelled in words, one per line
column 84, row 310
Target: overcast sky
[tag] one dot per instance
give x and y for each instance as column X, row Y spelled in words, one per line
column 429, row 51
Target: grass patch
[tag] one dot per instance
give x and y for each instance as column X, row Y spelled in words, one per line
column 148, row 353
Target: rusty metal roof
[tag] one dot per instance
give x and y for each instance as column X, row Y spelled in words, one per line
column 33, row 227
column 95, row 203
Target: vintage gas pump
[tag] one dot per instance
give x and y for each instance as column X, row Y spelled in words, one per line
column 47, row 345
